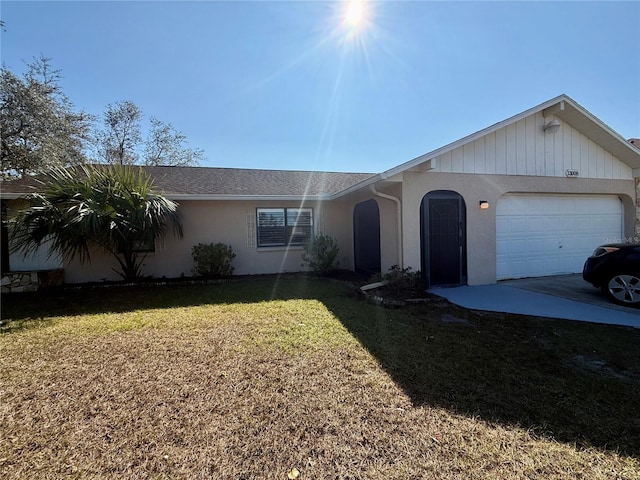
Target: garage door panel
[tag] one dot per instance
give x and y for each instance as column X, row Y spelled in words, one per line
column 536, row 224
column 586, row 224
column 538, row 235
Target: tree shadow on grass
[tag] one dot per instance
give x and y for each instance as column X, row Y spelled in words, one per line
column 508, row 369
column 513, row 370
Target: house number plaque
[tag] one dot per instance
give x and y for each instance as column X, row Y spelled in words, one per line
column 571, row 173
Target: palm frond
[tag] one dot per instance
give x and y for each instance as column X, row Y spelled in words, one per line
column 107, row 206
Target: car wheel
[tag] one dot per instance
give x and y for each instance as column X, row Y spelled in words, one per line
column 624, row 289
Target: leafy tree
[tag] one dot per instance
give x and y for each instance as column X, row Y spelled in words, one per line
column 121, row 136
column 40, row 127
column 121, row 141
column 165, row 146
column 112, row 207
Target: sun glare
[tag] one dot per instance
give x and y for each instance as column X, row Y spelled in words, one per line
column 355, row 13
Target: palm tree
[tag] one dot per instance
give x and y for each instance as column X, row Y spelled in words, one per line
column 112, row 207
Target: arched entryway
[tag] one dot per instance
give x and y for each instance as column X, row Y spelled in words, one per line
column 443, row 238
column 366, row 237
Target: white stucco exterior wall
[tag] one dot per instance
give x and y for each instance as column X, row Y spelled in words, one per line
column 232, row 223
column 518, row 158
column 481, row 224
column 389, row 233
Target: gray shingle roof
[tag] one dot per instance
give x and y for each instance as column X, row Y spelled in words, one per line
column 234, row 181
column 207, row 181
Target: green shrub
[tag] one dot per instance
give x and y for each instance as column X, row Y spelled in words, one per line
column 320, row 254
column 402, row 282
column 213, row 260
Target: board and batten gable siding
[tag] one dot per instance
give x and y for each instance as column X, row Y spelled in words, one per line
column 523, row 148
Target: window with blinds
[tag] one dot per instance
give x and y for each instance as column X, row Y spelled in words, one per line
column 284, row 226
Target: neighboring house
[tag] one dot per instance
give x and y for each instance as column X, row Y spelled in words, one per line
column 529, row 196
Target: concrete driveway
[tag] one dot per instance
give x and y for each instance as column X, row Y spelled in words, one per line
column 567, row 296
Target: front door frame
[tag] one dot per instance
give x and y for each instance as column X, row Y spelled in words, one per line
column 429, row 201
column 366, row 237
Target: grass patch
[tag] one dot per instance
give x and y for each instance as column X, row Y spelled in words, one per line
column 251, row 379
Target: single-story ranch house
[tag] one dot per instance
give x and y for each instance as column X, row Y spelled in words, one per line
column 530, row 196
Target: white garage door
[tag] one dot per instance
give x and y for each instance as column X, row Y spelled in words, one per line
column 540, row 235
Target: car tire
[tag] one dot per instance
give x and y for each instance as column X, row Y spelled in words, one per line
column 623, row 289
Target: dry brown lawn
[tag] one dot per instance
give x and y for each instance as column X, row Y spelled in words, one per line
column 297, row 377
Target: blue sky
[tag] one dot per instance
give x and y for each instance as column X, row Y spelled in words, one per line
column 287, row 85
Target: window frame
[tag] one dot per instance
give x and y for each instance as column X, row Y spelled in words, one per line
column 294, row 234
column 145, row 245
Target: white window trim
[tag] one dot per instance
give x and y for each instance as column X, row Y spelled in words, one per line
column 286, row 226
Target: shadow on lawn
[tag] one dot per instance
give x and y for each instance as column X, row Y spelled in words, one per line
column 512, row 370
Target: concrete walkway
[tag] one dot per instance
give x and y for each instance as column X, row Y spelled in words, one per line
column 524, row 297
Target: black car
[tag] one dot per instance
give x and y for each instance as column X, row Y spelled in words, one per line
column 615, row 268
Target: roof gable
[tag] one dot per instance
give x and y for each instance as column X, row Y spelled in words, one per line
column 562, row 107
column 523, row 148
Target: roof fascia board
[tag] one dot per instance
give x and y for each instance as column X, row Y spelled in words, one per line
column 301, row 198
column 188, row 196
column 358, row 186
column 557, row 108
column 624, row 144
